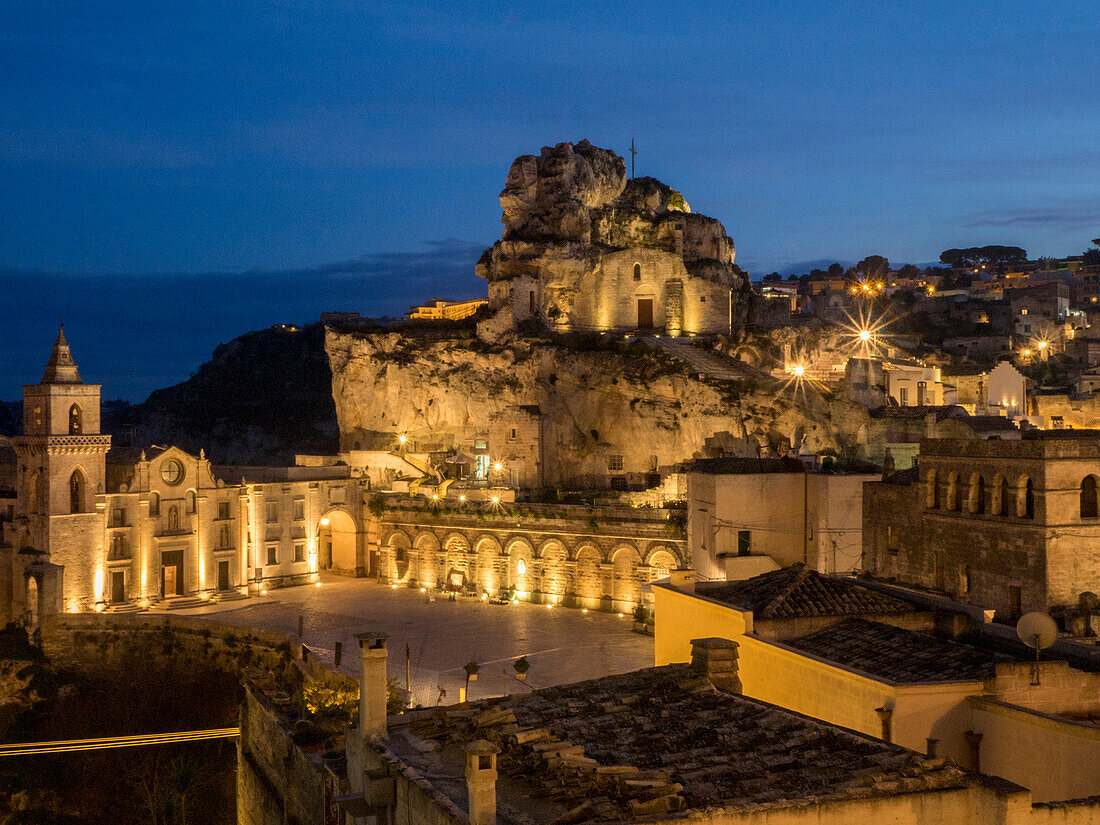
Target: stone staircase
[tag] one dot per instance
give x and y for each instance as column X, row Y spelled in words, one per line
column 184, row 602
column 233, row 596
column 709, row 362
column 125, row 607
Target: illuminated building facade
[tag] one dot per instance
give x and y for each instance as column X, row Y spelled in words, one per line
column 137, row 530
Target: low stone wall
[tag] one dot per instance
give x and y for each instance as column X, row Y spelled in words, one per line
column 276, row 780
column 81, row 639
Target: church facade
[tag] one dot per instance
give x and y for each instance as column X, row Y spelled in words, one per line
column 94, row 527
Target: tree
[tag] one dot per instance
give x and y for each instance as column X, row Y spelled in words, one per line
column 1091, row 257
column 955, row 258
column 909, row 271
column 873, row 268
column 992, row 257
column 772, row 278
column 835, row 270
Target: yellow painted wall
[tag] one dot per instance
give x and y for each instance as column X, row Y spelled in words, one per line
column 680, row 617
column 793, row 680
column 1056, row 759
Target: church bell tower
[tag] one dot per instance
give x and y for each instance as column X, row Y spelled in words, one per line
column 62, row 465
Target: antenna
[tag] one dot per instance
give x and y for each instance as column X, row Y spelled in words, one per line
column 1036, row 630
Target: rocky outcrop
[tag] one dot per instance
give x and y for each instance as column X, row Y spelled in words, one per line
column 596, row 400
column 260, row 399
column 567, row 208
column 576, row 196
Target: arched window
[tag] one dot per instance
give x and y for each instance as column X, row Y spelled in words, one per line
column 1088, row 497
column 932, row 491
column 76, row 420
column 76, row 492
column 173, row 518
column 154, row 504
column 976, row 500
column 637, row 272
column 1025, row 500
column 190, row 501
column 953, row 496
column 1004, row 497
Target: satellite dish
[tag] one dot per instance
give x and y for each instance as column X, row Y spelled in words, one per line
column 1037, row 631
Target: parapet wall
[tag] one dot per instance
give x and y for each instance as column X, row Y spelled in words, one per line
column 80, row 639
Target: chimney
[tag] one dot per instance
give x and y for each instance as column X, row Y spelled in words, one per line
column 716, row 659
column 886, row 717
column 933, row 747
column 481, row 781
column 887, row 465
column 682, row 580
column 372, row 685
column 974, row 740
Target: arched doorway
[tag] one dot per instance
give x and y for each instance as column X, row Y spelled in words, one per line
column 645, row 300
column 336, row 539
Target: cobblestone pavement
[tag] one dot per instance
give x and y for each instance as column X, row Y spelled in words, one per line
column 563, row 645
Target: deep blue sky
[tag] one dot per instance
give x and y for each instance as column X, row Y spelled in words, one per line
column 334, row 151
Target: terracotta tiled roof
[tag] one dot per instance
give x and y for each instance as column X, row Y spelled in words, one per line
column 902, row 656
column 798, row 592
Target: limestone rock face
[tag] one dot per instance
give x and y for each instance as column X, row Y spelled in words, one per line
column 569, row 208
column 551, row 195
column 632, row 402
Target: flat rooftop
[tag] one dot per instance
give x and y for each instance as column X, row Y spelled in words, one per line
column 898, row 655
column 651, row 742
column 798, row 592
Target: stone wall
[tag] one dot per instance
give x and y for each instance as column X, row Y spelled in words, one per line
column 276, row 781
column 1081, row 413
column 964, row 529
column 79, row 640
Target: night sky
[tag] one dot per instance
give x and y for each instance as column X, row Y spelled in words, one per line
column 175, row 174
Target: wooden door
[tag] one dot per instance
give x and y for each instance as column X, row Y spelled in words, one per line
column 170, row 580
column 645, row 313
column 118, row 586
column 223, row 575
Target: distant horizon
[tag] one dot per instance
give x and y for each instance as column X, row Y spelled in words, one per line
column 98, row 307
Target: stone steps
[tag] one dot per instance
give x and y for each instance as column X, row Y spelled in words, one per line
column 183, row 603
column 127, row 607
column 708, row 362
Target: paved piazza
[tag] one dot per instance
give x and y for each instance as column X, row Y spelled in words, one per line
column 562, row 644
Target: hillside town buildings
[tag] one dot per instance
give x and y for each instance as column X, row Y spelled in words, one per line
column 746, row 516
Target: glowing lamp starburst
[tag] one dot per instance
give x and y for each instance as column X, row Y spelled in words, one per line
column 799, row 371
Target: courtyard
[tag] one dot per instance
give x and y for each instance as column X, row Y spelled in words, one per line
column 562, row 645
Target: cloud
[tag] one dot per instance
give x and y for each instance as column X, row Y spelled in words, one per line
column 1069, row 215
